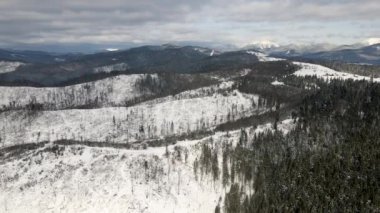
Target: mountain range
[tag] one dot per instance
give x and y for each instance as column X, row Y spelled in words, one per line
column 38, row 68
column 145, row 59
column 367, row 52
column 171, row 128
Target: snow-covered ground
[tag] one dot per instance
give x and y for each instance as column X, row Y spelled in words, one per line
column 84, row 179
column 7, row 66
column 263, row 57
column 113, row 91
column 122, row 125
column 319, row 71
column 277, row 83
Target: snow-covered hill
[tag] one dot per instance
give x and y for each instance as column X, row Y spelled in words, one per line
column 123, row 125
column 110, row 92
column 7, row 66
column 319, row 71
column 113, row 91
column 263, row 57
column 83, row 179
column 77, row 178
column 87, row 179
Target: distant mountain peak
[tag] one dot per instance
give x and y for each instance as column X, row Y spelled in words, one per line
column 112, row 49
column 263, row 44
column 372, row 41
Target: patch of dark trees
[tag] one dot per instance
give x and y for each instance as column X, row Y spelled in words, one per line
column 16, row 151
column 172, row 84
column 259, row 80
column 329, row 162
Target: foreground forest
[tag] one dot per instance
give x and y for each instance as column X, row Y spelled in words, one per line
column 328, row 163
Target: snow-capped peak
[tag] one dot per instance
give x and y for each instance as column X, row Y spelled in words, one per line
column 372, row 41
column 112, row 49
column 265, row 44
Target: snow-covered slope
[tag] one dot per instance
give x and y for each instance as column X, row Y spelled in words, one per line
column 84, row 179
column 113, row 91
column 122, row 125
column 75, row 178
column 263, row 57
column 319, row 71
column 7, row 66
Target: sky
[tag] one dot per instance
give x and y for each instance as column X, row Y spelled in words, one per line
column 210, row 22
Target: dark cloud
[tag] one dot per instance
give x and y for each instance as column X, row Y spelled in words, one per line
column 99, row 21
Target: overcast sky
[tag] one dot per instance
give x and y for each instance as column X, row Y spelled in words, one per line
column 159, row 21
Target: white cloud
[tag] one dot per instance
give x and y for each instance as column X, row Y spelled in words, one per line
column 149, row 21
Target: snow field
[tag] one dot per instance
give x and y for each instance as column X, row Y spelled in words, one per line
column 111, row 91
column 7, row 66
column 319, row 71
column 125, row 125
column 85, row 179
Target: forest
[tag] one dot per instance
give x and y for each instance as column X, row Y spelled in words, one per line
column 328, row 163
